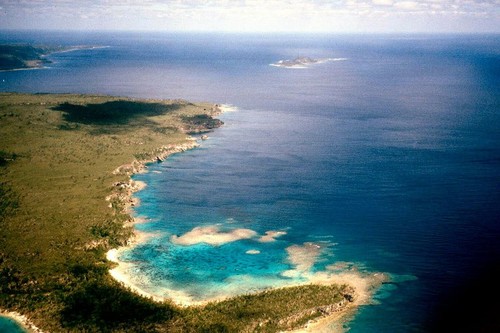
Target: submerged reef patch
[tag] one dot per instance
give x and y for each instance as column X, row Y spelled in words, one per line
column 212, row 235
column 271, row 236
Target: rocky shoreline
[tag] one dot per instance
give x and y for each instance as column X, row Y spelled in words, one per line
column 123, row 192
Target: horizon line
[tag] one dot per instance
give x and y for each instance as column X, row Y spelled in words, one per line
column 227, row 32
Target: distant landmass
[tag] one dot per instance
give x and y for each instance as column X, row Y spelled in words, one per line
column 303, row 62
column 25, row 56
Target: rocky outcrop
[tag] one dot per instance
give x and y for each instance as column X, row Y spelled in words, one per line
column 297, row 62
column 200, row 124
column 157, row 155
column 303, row 62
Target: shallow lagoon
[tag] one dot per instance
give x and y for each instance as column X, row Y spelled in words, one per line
column 8, row 325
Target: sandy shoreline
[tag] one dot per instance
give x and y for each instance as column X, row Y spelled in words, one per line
column 363, row 285
column 131, row 187
column 22, row 320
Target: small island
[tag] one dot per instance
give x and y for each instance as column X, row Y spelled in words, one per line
column 303, row 62
column 66, row 163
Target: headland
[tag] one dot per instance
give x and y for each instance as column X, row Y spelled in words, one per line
column 26, row 56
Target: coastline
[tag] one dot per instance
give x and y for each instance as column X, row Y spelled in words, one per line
column 22, row 320
column 60, row 192
column 362, row 285
column 291, row 307
column 41, row 63
column 128, row 200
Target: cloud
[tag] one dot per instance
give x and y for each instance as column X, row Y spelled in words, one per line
column 409, row 5
column 248, row 15
column 383, row 2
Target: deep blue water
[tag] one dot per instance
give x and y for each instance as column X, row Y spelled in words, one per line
column 389, row 160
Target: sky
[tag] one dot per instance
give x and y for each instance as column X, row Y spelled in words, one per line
column 334, row 16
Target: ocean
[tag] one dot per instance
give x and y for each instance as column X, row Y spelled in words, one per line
column 8, row 325
column 387, row 160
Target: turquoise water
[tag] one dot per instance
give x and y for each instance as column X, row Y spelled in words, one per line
column 8, row 325
column 388, row 161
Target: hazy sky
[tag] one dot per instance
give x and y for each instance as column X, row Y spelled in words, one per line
column 255, row 15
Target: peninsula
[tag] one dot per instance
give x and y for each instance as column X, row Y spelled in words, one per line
column 24, row 56
column 65, row 167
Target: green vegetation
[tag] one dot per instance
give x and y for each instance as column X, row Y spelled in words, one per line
column 8, row 201
column 107, row 307
column 57, row 157
column 270, row 311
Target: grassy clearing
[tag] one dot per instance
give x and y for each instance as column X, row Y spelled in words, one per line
column 57, row 154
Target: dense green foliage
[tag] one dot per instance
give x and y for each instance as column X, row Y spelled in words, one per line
column 57, row 157
column 107, row 306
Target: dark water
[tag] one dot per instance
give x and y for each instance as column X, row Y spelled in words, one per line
column 388, row 160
